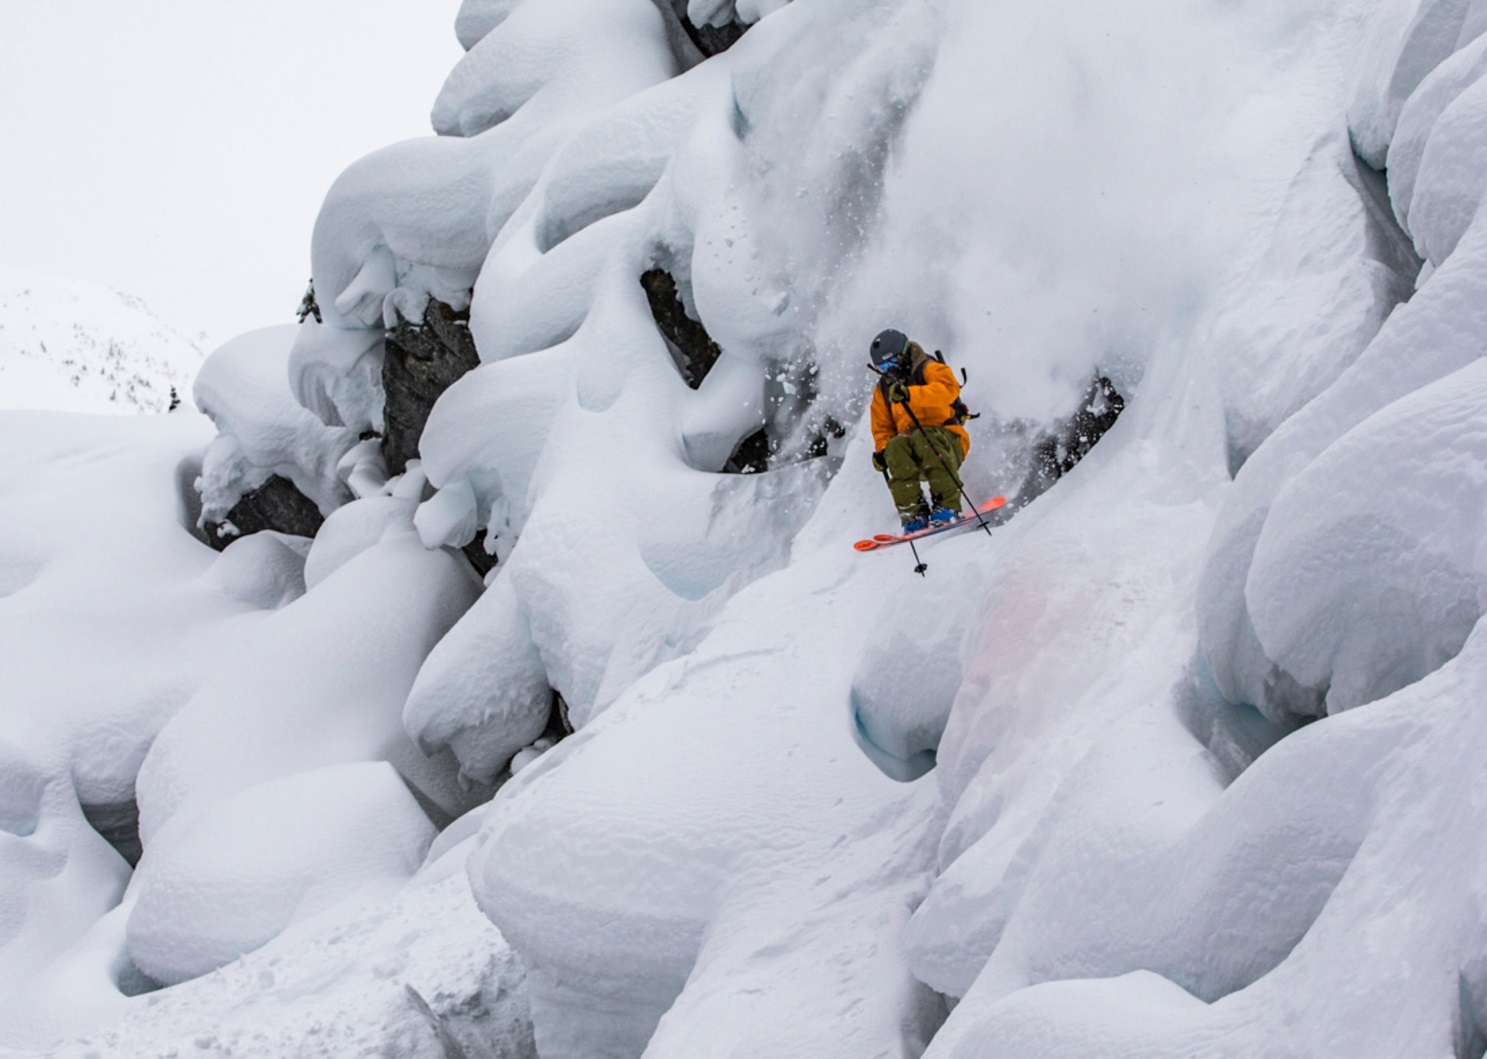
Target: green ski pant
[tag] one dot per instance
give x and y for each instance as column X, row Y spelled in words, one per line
column 929, row 454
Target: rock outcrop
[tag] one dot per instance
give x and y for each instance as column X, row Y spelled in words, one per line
column 1056, row 451
column 422, row 360
column 277, row 504
column 691, row 345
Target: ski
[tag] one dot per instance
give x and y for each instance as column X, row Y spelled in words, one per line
column 887, row 540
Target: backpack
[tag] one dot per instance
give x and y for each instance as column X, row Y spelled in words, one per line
column 963, row 414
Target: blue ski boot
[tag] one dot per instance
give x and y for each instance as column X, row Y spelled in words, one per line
column 942, row 514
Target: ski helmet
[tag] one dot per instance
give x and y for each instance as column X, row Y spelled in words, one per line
column 888, row 350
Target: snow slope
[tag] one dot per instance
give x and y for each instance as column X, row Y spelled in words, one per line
column 72, row 346
column 1203, row 716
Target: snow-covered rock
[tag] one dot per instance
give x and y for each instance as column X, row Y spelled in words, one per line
column 1130, row 840
column 262, row 432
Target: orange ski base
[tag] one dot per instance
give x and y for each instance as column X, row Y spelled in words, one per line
column 885, row 540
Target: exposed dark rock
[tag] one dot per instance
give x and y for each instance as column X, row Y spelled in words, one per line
column 752, row 454
column 709, row 40
column 308, row 306
column 691, row 345
column 713, row 40
column 820, row 442
column 796, row 427
column 421, row 362
column 476, row 553
column 1055, row 452
column 558, row 724
column 277, row 504
column 118, row 823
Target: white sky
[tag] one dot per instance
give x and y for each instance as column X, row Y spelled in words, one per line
column 178, row 150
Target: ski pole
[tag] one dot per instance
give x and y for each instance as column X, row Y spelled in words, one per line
column 940, row 457
column 919, row 564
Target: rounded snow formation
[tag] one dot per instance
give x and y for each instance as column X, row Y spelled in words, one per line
column 910, row 672
column 280, row 699
column 262, row 431
column 265, row 569
column 1132, row 841
column 789, row 187
column 1363, row 595
column 1269, row 662
column 218, row 884
column 483, row 691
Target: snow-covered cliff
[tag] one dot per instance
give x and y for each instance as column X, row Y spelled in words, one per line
column 80, row 347
column 1200, row 716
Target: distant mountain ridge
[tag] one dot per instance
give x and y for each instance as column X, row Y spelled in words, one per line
column 75, row 346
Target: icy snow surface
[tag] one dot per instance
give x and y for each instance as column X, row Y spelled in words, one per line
column 1181, row 760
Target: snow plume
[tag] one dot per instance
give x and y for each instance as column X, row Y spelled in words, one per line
column 1052, row 231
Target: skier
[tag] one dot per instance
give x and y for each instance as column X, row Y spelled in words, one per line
column 917, row 432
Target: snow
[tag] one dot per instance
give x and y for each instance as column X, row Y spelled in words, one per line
column 483, row 691
column 410, row 974
column 78, row 709
column 64, row 605
column 1435, row 334
column 70, row 346
column 611, row 924
column 130, row 640
column 221, row 883
column 262, row 432
column 246, row 722
column 1364, row 637
column 1179, row 760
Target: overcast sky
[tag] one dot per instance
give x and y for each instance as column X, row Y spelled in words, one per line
column 178, row 150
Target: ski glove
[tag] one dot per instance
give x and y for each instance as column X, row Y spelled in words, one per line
column 880, row 461
column 898, row 393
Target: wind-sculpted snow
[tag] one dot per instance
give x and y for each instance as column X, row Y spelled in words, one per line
column 416, row 975
column 1201, row 717
column 1384, row 860
column 579, row 450
column 103, row 642
column 389, row 604
column 546, row 61
column 261, row 430
column 1366, row 576
column 221, row 883
column 143, row 663
column 1410, row 39
column 483, row 691
column 416, row 219
column 683, row 763
column 1283, row 669
column 1342, row 573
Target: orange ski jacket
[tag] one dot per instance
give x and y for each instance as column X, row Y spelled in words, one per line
column 932, row 395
